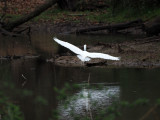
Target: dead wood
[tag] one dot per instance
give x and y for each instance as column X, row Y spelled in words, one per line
column 148, row 40
column 27, row 29
column 8, row 33
column 110, row 28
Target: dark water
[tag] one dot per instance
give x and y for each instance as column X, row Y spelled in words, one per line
column 43, row 44
column 30, row 83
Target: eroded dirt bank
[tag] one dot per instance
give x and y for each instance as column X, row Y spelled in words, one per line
column 139, row 53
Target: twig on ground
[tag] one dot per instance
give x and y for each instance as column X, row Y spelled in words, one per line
column 148, row 112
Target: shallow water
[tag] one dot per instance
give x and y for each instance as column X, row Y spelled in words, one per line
column 30, row 83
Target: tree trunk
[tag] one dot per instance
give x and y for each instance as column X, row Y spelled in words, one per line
column 67, row 4
column 11, row 25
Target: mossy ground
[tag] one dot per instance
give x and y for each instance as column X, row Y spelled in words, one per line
column 97, row 16
column 56, row 15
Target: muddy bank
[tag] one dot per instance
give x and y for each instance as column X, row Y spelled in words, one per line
column 141, row 53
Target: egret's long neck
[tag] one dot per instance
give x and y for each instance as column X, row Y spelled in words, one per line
column 85, row 47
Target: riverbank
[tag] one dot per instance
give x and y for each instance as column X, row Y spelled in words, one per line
column 142, row 52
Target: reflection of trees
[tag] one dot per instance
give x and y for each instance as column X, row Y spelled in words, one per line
column 43, row 43
column 15, row 46
column 41, row 77
column 5, row 72
column 40, row 81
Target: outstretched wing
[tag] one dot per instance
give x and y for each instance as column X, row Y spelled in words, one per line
column 103, row 56
column 69, row 46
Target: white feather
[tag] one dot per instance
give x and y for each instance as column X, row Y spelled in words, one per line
column 84, row 55
column 103, row 56
column 69, row 46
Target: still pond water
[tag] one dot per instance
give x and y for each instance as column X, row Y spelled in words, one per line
column 38, row 86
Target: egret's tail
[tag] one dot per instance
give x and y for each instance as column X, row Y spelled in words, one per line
column 83, row 59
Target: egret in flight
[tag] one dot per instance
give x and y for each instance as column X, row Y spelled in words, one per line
column 84, row 55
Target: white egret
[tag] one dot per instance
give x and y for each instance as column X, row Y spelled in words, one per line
column 84, row 55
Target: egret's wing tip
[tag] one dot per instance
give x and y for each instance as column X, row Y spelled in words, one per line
column 119, row 58
column 54, row 38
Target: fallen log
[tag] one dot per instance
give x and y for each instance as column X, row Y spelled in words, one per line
column 148, row 40
column 11, row 25
column 8, row 33
column 110, row 28
column 24, row 29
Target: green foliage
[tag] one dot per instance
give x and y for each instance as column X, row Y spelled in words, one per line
column 129, row 14
column 11, row 17
column 141, row 101
column 26, row 92
column 123, row 10
column 110, row 113
column 105, row 15
column 13, row 112
column 64, row 92
column 55, row 115
column 41, row 100
column 136, row 5
column 110, row 117
column 124, row 103
column 118, row 11
column 61, row 93
column 158, row 101
column 9, row 111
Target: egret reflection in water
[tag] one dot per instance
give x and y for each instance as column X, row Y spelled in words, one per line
column 87, row 101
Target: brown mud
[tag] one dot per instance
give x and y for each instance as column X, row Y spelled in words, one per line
column 139, row 54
